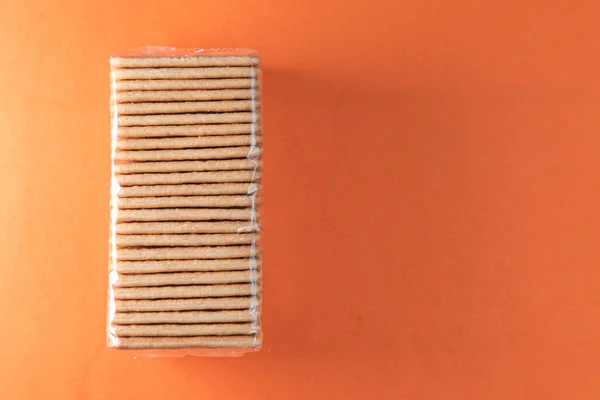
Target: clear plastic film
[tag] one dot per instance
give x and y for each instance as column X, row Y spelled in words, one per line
column 186, row 144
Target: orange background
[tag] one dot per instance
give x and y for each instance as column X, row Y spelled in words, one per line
column 432, row 192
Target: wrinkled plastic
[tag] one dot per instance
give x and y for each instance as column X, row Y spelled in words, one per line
column 184, row 258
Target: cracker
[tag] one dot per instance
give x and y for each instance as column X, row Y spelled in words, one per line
column 149, row 267
column 186, row 240
column 184, row 317
column 187, row 177
column 185, row 253
column 186, row 61
column 183, row 107
column 187, row 190
column 186, row 201
column 187, row 166
column 186, row 119
column 184, row 73
column 188, row 154
column 186, row 278
column 185, row 292
column 185, row 214
column 214, row 342
column 184, row 227
column 218, row 153
column 188, row 130
column 140, row 96
column 185, row 84
column 185, row 330
column 187, row 142
column 219, row 303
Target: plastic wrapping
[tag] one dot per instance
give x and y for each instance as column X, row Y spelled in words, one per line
column 185, row 265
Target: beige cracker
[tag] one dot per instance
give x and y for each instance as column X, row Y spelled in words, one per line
column 194, row 154
column 185, row 253
column 184, row 227
column 185, row 84
column 190, row 240
column 185, row 317
column 149, row 267
column 183, row 292
column 186, row 278
column 187, row 166
column 214, row 342
column 186, row 214
column 188, row 177
column 140, row 96
column 185, row 61
column 186, row 201
column 188, row 130
column 186, row 107
column 185, row 330
column 184, row 73
column 188, row 190
column 186, row 119
column 219, row 303
column 187, row 142
column 186, row 240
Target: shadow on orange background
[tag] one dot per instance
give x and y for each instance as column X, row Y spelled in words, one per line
column 430, row 202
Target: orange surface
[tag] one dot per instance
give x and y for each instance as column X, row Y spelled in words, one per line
column 432, row 192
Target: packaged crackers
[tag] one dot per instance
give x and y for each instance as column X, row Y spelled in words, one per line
column 185, row 260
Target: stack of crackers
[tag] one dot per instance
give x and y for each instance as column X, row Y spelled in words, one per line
column 186, row 149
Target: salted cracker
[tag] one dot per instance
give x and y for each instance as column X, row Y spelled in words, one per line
column 182, row 107
column 206, row 342
column 185, row 253
column 186, row 278
column 188, row 177
column 188, row 130
column 186, row 201
column 185, row 61
column 185, row 317
column 155, row 266
column 222, row 227
column 187, row 190
column 188, row 142
column 188, row 154
column 140, row 96
column 184, row 73
column 179, row 240
column 187, row 166
column 185, row 84
column 217, row 303
column 185, row 291
column 156, row 330
column 186, row 214
column 186, row 119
